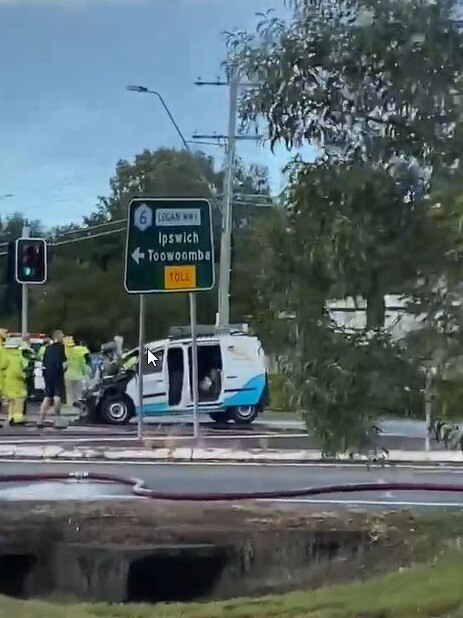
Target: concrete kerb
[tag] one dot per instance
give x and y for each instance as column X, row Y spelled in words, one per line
column 206, row 455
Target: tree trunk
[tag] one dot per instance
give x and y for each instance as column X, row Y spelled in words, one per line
column 376, row 306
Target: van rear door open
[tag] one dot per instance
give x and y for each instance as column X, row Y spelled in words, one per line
column 244, row 372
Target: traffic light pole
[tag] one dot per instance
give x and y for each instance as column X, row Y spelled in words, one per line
column 26, row 232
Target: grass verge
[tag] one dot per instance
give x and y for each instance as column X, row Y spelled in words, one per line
column 428, row 591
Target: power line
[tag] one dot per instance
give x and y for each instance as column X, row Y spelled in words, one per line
column 72, row 240
column 83, row 230
column 240, row 199
column 90, row 228
column 123, row 229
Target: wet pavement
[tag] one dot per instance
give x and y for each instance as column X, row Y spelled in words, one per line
column 69, row 490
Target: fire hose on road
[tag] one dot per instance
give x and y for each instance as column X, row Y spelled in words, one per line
column 139, row 488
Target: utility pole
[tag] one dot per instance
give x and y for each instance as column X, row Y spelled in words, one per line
column 223, row 314
column 223, row 317
column 26, row 232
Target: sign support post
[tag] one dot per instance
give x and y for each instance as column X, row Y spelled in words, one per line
column 169, row 249
column 141, row 346
column 194, row 364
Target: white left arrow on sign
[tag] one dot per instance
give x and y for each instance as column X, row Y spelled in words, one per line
column 138, row 255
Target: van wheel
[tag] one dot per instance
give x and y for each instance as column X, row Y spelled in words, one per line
column 244, row 415
column 117, row 411
column 220, row 417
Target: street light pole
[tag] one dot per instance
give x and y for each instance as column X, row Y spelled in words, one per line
column 145, row 90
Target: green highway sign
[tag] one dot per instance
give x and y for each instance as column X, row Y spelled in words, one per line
column 169, row 246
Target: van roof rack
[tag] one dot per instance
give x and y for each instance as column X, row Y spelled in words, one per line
column 203, row 330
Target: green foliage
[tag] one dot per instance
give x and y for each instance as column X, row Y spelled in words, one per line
column 354, row 227
column 436, row 298
column 279, row 396
column 162, row 173
column 11, row 227
column 342, row 382
column 376, row 87
column 367, row 77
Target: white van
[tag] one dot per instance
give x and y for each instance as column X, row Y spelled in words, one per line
column 232, row 379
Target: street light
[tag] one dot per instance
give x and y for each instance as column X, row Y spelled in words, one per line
column 145, row 90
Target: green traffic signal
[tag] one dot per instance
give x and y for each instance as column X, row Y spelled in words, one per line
column 31, row 261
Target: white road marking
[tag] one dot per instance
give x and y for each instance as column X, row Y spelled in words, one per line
column 26, row 440
column 57, row 441
column 428, row 469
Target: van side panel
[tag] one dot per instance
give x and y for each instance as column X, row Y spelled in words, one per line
column 250, row 394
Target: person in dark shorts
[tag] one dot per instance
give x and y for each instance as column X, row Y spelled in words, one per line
column 54, row 367
column 29, row 355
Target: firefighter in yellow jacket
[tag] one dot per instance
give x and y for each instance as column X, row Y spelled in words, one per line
column 15, row 383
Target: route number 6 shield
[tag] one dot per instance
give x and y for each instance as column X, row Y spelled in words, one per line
column 143, row 217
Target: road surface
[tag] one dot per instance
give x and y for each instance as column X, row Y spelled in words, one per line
column 230, row 478
column 271, row 430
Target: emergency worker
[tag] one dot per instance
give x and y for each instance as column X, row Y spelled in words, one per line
column 78, row 370
column 83, row 351
column 14, row 382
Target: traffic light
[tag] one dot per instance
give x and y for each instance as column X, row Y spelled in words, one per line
column 31, row 260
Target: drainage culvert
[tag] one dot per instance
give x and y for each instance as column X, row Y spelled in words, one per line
column 15, row 570
column 147, row 551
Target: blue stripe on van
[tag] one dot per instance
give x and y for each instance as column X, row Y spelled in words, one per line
column 160, row 409
column 155, row 408
column 249, row 395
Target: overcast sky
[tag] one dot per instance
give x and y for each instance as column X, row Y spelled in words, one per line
column 65, row 116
